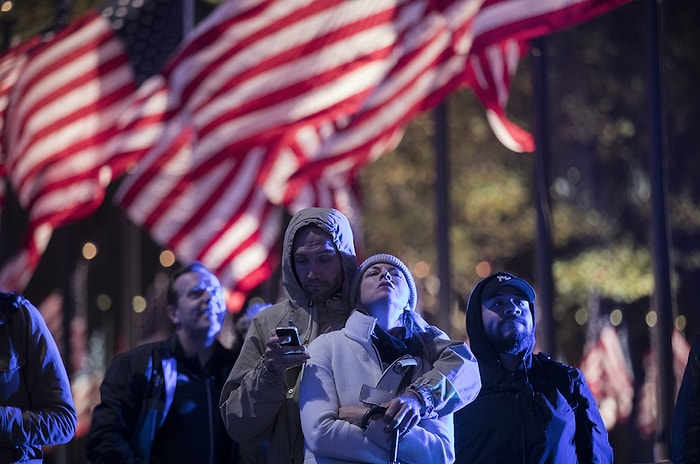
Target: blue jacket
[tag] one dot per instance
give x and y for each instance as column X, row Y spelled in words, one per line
column 36, row 405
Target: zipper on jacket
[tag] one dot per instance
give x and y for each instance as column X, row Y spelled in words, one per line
column 207, row 384
column 523, row 453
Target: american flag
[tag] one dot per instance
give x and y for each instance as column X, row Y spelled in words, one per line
column 609, row 376
column 268, row 105
column 278, row 104
column 63, row 108
column 647, row 409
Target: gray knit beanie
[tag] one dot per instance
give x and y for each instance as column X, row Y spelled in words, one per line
column 386, row 259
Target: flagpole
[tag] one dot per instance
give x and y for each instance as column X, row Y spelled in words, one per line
column 7, row 213
column 187, row 16
column 442, row 234
column 545, row 281
column 7, row 19
column 62, row 15
column 67, row 258
column 661, row 336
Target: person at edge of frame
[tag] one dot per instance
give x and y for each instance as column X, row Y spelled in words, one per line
column 36, row 403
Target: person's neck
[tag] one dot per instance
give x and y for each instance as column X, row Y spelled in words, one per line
column 383, row 316
column 511, row 361
column 202, row 348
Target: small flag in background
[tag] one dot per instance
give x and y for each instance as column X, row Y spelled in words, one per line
column 647, row 409
column 605, row 367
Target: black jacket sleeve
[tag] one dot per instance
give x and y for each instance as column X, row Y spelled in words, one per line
column 115, row 418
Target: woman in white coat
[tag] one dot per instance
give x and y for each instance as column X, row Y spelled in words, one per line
column 386, row 355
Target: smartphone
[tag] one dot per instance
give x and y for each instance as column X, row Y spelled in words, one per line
column 290, row 331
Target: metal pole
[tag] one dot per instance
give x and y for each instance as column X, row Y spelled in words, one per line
column 188, row 19
column 662, row 304
column 545, row 281
column 62, row 15
column 67, row 259
column 442, row 190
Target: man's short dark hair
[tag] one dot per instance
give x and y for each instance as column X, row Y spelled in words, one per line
column 191, row 267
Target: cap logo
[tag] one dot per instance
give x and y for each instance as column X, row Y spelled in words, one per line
column 503, row 278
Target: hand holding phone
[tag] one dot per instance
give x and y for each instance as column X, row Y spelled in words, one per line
column 292, row 332
column 284, row 350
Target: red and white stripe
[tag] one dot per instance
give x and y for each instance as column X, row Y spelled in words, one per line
column 268, row 105
column 501, row 31
column 12, row 63
column 489, row 74
column 63, row 109
column 499, row 20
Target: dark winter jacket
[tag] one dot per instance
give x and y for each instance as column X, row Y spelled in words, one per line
column 685, row 432
column 543, row 412
column 36, row 405
column 188, row 426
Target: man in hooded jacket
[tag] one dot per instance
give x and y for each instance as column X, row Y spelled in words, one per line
column 260, row 400
column 531, row 409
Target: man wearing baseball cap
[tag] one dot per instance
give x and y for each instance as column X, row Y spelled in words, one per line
column 531, row 409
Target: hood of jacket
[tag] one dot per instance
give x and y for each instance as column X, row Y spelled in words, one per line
column 9, row 302
column 485, row 353
column 337, row 226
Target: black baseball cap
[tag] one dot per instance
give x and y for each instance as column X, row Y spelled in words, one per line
column 505, row 279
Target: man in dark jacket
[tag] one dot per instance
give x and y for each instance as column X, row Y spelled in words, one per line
column 36, row 405
column 159, row 401
column 531, row 409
